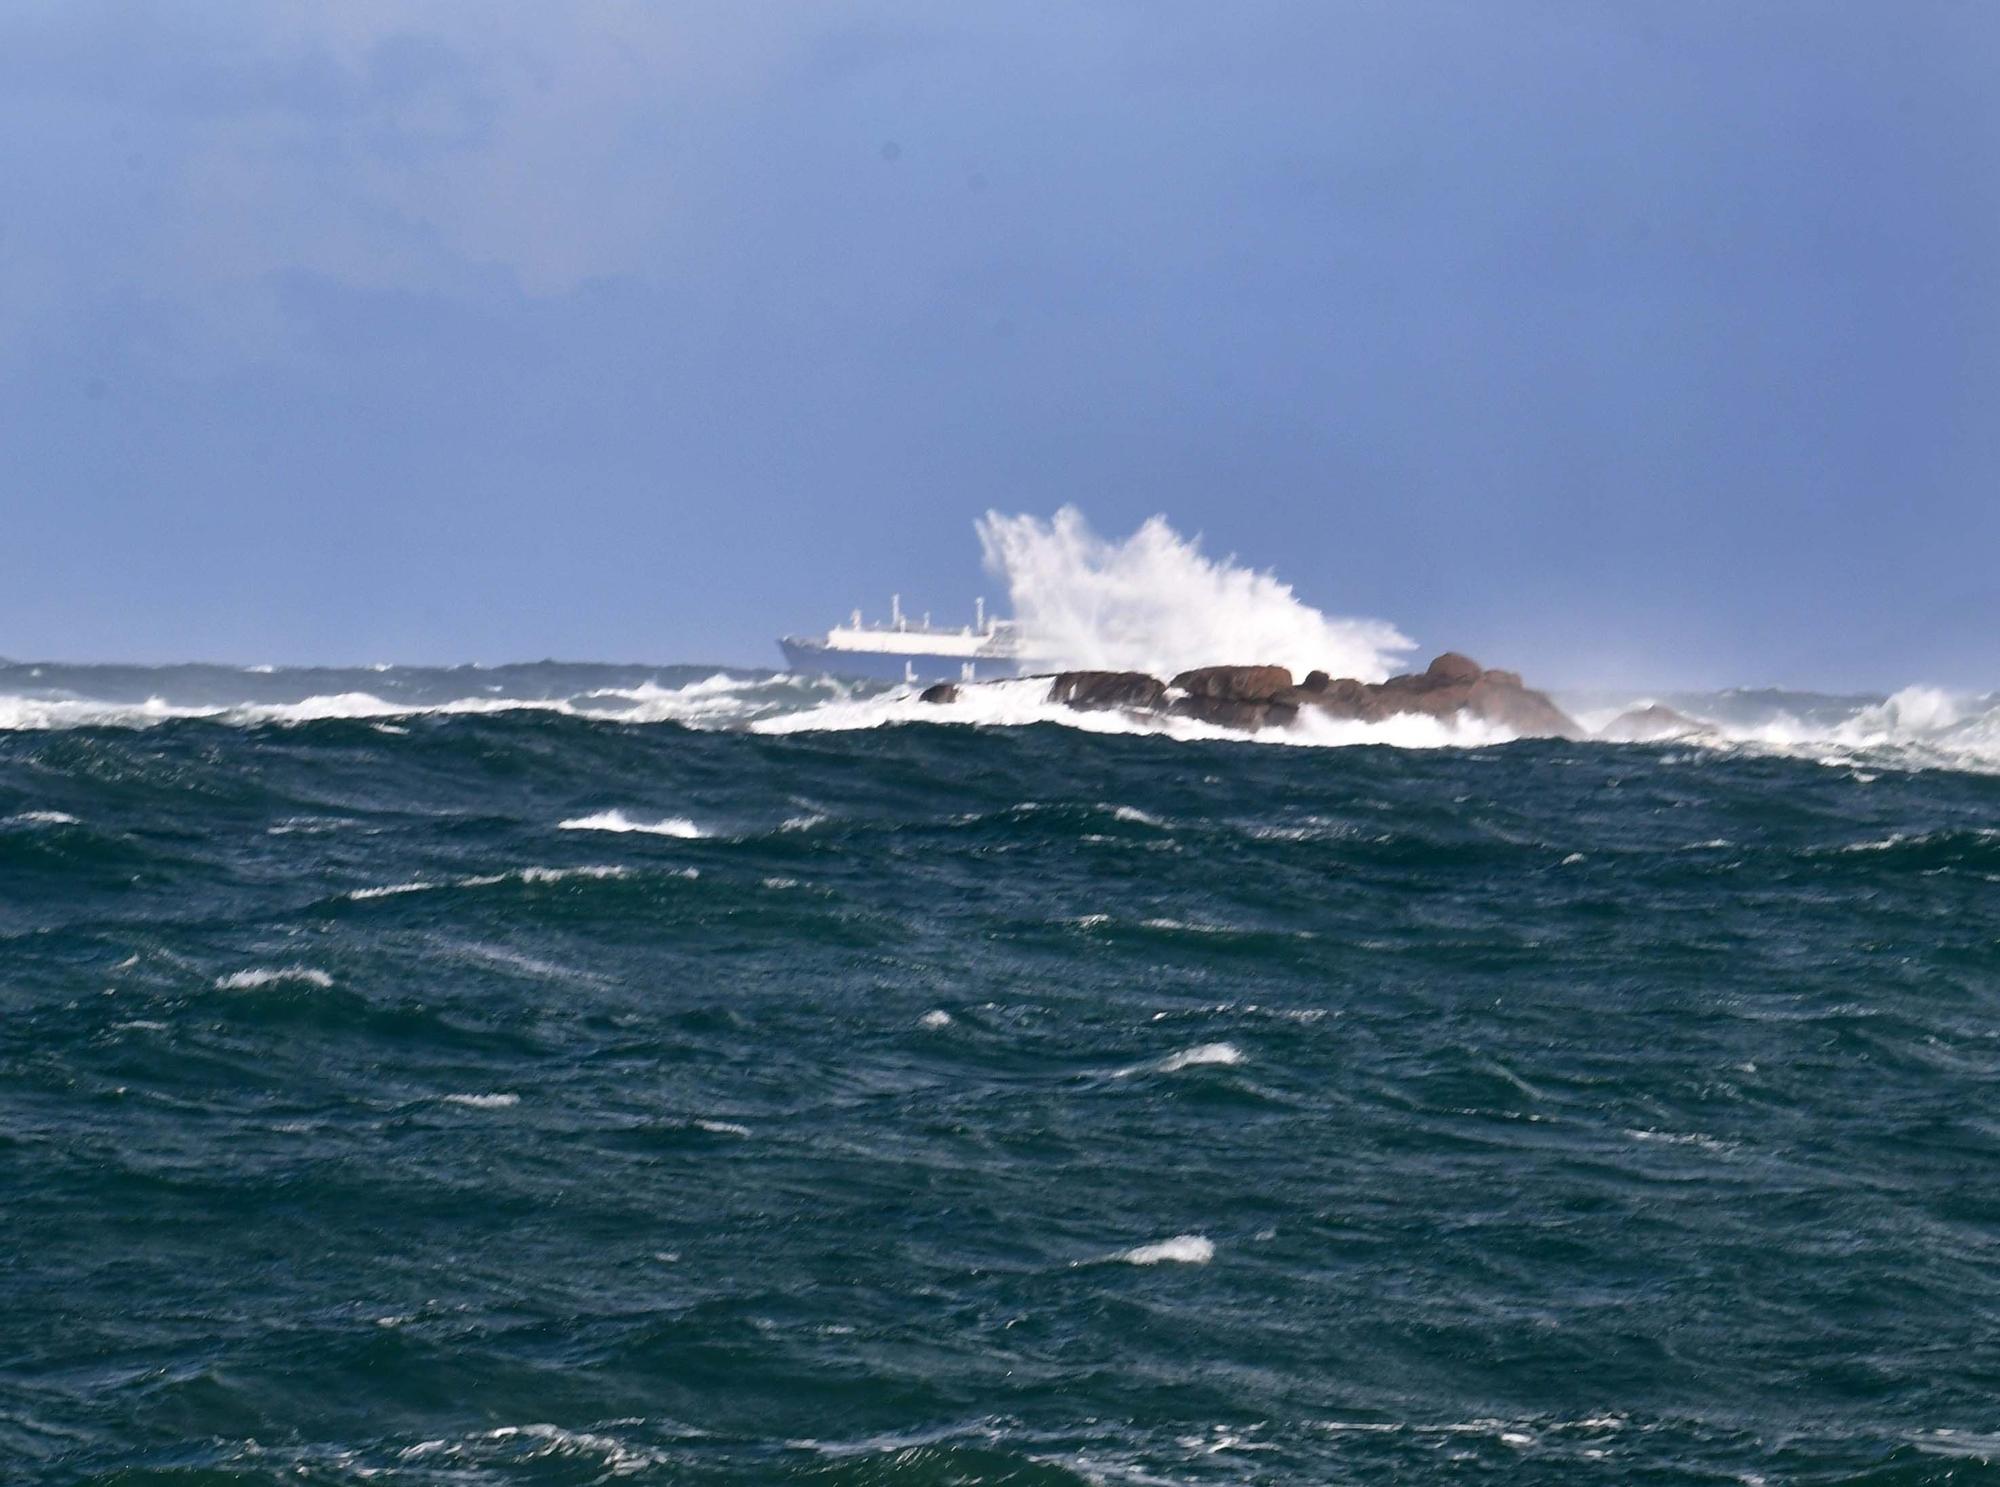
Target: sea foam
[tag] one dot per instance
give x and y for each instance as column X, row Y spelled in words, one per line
column 1206, row 1053
column 616, row 820
column 1182, row 1249
column 1024, row 701
column 252, row 979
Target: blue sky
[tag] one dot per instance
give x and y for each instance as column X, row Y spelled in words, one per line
column 1637, row 341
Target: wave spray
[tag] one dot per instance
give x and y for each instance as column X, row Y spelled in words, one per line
column 1154, row 602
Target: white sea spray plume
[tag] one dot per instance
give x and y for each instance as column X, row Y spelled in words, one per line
column 1154, row 602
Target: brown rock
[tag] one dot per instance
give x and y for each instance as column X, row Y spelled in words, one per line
column 1453, row 668
column 939, row 692
column 1451, row 686
column 1521, row 710
column 1235, row 683
column 1097, row 690
column 1349, row 699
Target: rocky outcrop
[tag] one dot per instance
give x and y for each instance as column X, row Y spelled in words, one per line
column 1252, row 697
column 1452, row 686
column 939, row 692
column 1246, row 697
column 1652, row 724
column 1097, row 690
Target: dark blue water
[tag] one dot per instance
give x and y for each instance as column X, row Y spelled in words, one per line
column 980, row 1105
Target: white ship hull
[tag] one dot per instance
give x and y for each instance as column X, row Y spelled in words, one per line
column 917, row 665
column 902, row 651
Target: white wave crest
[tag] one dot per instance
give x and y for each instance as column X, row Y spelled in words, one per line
column 39, row 818
column 720, row 700
column 1919, row 727
column 484, row 1102
column 488, row 880
column 1024, row 701
column 252, row 979
column 617, row 820
column 1206, row 1053
column 541, row 1441
column 1182, row 1249
column 416, row 885
column 1153, row 602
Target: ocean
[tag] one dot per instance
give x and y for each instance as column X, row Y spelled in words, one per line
column 580, row 1074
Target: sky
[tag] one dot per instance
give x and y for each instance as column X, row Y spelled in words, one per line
column 1652, row 342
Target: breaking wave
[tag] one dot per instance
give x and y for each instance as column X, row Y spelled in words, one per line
column 1182, row 1249
column 616, row 820
column 1025, row 701
column 251, row 980
column 718, row 700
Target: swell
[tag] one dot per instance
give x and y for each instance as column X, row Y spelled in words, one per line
column 986, row 1103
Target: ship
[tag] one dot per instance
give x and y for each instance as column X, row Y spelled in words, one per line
column 910, row 651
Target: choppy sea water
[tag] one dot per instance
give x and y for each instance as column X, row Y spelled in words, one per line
column 399, row 1083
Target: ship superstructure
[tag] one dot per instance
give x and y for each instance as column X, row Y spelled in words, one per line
column 907, row 650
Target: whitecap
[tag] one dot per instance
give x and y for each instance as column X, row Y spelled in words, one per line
column 723, row 1127
column 39, row 818
column 252, row 979
column 1024, row 701
column 1182, row 1249
column 1203, row 1054
column 618, row 1458
column 547, row 875
column 937, row 1017
column 500, row 1101
column 617, row 820
column 390, row 890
